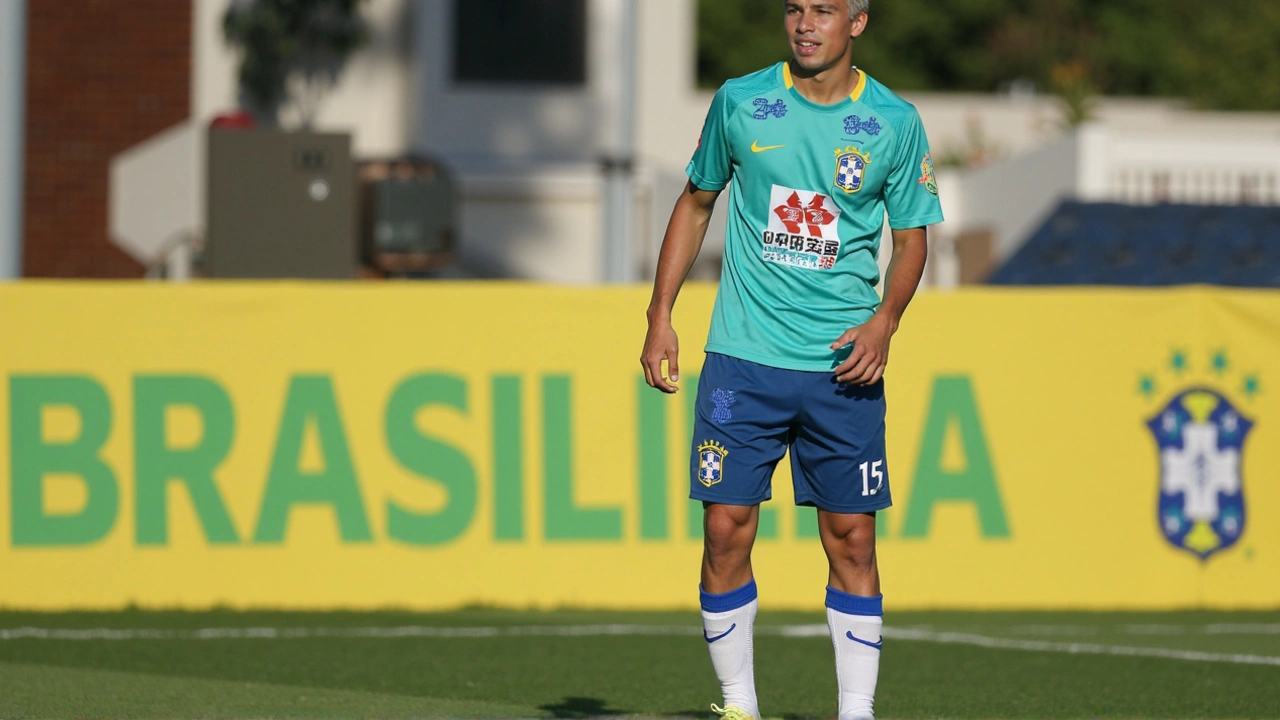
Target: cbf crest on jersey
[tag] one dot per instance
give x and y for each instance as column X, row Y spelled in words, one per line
column 711, row 455
column 851, row 165
column 1200, row 437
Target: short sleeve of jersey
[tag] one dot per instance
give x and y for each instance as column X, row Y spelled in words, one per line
column 711, row 166
column 911, row 191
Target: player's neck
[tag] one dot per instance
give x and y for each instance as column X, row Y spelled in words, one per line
column 827, row 86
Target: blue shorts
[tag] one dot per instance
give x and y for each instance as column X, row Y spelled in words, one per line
column 749, row 415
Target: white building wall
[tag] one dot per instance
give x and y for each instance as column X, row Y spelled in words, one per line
column 672, row 110
column 530, row 223
column 528, row 158
column 1012, row 198
column 213, row 62
column 479, row 127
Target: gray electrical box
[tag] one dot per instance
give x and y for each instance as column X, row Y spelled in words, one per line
column 407, row 216
column 280, row 205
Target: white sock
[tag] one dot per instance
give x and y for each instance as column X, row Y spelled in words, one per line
column 727, row 623
column 855, row 624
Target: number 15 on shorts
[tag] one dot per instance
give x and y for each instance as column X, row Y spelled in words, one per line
column 876, row 473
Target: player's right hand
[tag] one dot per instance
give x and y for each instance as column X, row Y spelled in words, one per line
column 661, row 343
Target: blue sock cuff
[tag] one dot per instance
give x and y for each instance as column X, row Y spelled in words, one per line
column 843, row 602
column 724, row 602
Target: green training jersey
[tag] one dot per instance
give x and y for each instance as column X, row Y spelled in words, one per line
column 810, row 185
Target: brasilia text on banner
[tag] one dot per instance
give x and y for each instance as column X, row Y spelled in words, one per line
column 438, row 445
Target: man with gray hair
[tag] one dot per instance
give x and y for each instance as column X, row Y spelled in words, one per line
column 857, row 7
column 815, row 153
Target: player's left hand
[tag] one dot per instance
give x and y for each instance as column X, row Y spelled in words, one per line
column 865, row 365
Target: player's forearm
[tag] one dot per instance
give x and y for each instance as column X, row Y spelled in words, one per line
column 910, row 250
column 680, row 246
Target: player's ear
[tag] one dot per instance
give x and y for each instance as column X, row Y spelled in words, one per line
column 859, row 25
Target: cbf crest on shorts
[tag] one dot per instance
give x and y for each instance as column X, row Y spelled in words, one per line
column 711, row 455
column 1200, row 437
column 851, row 165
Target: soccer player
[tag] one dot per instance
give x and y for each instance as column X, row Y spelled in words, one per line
column 814, row 152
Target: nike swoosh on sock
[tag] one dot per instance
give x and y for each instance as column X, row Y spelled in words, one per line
column 849, row 634
column 721, row 635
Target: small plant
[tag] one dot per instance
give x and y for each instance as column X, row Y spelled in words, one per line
column 1076, row 91
column 292, row 51
column 976, row 150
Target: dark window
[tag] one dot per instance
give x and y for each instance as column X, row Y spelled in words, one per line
column 531, row 42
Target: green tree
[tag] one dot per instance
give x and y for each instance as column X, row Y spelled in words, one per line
column 279, row 39
column 1218, row 55
column 736, row 38
column 910, row 44
column 1235, row 57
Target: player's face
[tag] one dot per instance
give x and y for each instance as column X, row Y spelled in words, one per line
column 820, row 32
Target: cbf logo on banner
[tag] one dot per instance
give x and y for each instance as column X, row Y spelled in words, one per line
column 1200, row 437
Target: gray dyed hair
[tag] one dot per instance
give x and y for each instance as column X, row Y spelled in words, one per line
column 858, row 6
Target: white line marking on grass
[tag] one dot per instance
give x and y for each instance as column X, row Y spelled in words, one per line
column 272, row 633
column 1155, row 629
column 1243, row 629
column 795, row 630
column 1053, row 630
column 1077, row 648
column 816, row 630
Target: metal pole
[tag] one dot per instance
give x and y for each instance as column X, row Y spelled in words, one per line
column 13, row 56
column 619, row 164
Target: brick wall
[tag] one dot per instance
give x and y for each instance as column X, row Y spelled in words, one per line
column 102, row 76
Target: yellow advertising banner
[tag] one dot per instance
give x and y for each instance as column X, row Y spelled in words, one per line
column 437, row 445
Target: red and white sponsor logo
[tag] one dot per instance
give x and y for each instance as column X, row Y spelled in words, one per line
column 802, row 229
column 814, row 216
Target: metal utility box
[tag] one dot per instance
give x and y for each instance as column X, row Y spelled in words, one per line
column 280, row 205
column 408, row 215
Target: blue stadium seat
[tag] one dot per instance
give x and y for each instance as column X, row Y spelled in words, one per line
column 1114, row 244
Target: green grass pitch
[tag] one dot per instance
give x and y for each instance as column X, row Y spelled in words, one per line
column 572, row 664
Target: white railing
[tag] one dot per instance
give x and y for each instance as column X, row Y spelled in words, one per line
column 1144, row 169
column 1201, row 186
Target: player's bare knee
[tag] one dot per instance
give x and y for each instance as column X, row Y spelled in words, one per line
column 728, row 529
column 850, row 544
column 721, row 529
column 858, row 553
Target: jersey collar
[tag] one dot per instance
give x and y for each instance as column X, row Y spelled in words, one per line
column 857, row 88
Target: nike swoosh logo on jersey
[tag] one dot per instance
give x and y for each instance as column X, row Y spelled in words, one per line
column 713, row 639
column 868, row 643
column 755, row 147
